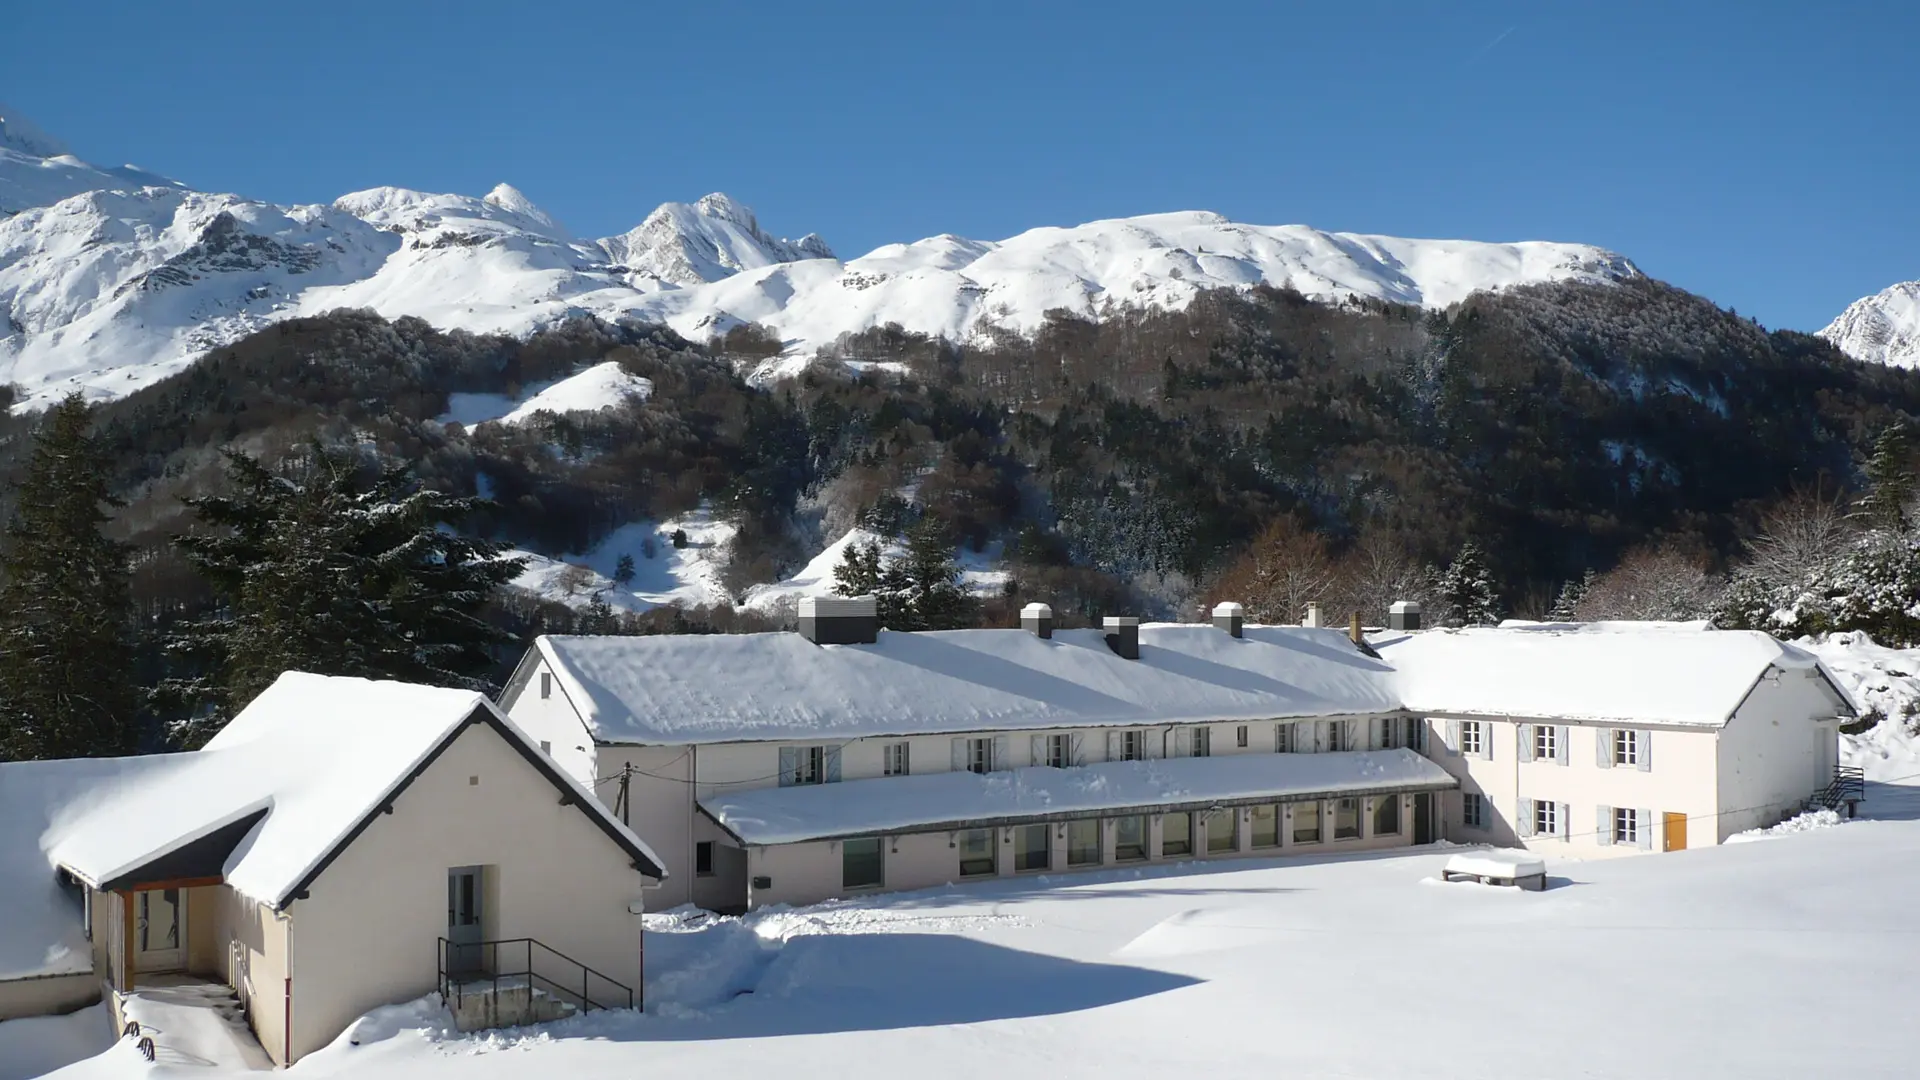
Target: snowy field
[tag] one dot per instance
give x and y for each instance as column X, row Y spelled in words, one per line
column 1791, row 956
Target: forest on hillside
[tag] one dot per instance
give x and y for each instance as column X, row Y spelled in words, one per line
column 1142, row 464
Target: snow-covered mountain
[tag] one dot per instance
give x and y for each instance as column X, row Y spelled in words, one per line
column 112, row 279
column 1883, row 328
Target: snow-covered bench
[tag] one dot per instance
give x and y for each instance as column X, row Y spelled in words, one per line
column 1517, row 868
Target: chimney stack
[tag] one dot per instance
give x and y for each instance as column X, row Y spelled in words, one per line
column 1037, row 619
column 1229, row 616
column 1403, row 615
column 1312, row 617
column 1354, row 629
column 839, row 620
column 1123, row 635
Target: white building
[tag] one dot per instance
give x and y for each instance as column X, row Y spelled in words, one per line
column 1601, row 738
column 792, row 767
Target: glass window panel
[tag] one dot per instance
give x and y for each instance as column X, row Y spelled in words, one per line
column 1386, row 815
column 1306, row 822
column 976, row 853
column 1129, row 838
column 1032, row 847
column 860, row 863
column 1266, row 826
column 1176, row 835
column 1221, row 834
column 1346, row 819
column 1083, row 842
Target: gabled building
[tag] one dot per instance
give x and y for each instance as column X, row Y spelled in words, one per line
column 793, row 767
column 341, row 844
column 1607, row 738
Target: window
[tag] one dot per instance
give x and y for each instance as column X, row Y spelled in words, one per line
column 1240, row 737
column 800, row 765
column 1200, row 742
column 980, row 755
column 1473, row 811
column 1032, row 850
column 703, row 858
column 1223, row 834
column 1083, row 842
column 1129, row 838
column 1266, row 826
column 861, row 864
column 976, row 853
column 1398, row 732
column 1059, row 752
column 1176, row 835
column 1386, row 815
column 1546, row 742
column 1473, row 737
column 1626, row 746
column 546, row 747
column 1337, row 736
column 893, row 759
column 1133, row 746
column 546, row 685
column 1306, row 822
column 1283, row 739
column 1546, row 818
column 1626, row 826
column 1346, row 819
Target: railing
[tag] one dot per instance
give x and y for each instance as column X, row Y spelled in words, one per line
column 1848, row 787
column 466, row 966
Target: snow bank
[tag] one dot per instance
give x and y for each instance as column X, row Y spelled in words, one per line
column 35, row 1045
column 662, row 573
column 785, row 815
column 1663, row 673
column 668, row 690
column 1807, row 822
column 602, row 386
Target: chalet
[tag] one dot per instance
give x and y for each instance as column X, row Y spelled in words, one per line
column 341, row 844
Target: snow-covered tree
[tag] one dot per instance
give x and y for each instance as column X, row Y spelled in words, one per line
column 332, row 570
column 66, row 687
column 1566, row 605
column 1467, row 591
column 1890, row 481
column 917, row 590
column 1650, row 582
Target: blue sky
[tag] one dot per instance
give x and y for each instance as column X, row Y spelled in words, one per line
column 1760, row 153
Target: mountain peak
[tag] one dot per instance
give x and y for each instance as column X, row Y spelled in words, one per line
column 22, row 135
column 509, row 198
column 722, row 206
column 1883, row 328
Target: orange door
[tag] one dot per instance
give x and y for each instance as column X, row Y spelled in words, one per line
column 1676, row 827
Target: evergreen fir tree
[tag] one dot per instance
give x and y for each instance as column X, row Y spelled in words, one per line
column 1890, row 480
column 1467, row 589
column 335, row 574
column 623, row 570
column 65, row 612
column 928, row 581
column 1566, row 606
column 858, row 573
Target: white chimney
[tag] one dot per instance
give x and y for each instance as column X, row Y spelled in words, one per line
column 1229, row 616
column 1312, row 617
column 1037, row 619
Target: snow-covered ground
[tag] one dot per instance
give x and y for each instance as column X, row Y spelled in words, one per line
column 1788, row 958
column 663, row 574
column 602, row 386
column 37, row 1045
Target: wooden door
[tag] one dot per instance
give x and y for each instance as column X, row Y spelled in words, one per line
column 1676, row 832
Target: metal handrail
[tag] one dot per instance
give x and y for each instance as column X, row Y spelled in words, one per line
column 452, row 981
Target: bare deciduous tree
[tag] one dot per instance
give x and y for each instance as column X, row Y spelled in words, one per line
column 1285, row 568
column 1662, row 581
column 1797, row 535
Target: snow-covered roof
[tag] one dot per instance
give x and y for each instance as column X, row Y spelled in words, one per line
column 676, row 690
column 1652, row 673
column 785, row 815
column 309, row 759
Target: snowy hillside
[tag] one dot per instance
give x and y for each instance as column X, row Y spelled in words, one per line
column 1883, row 328
column 112, row 279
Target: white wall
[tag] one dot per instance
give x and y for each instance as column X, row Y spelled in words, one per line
column 367, row 934
column 552, row 720
column 1779, row 748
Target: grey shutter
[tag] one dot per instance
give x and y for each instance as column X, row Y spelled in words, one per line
column 1303, row 736
column 1603, row 747
column 1347, row 741
column 1182, row 742
column 1603, row 825
column 1076, row 751
column 1280, row 733
column 1322, row 733
column 1643, row 828
column 833, row 764
column 789, row 765
column 1525, row 743
column 1453, row 738
column 1153, row 744
column 1562, row 740
column 1643, row 747
column 1486, row 739
column 1113, row 746
column 1002, row 754
column 959, row 755
column 1523, row 820
column 1563, row 821
column 1037, row 750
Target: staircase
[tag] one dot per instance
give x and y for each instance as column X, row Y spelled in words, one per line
column 517, row 981
column 1847, row 789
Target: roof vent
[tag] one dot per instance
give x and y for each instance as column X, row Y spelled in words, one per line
column 1123, row 635
column 1403, row 615
column 1037, row 619
column 1229, row 616
column 839, row 620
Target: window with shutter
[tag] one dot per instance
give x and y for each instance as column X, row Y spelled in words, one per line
column 1563, row 816
column 1114, row 750
column 1076, row 750
column 1524, row 741
column 1454, row 728
column 1603, row 825
column 833, row 765
column 1182, row 742
column 789, row 766
column 959, row 763
column 1037, row 750
column 1562, row 736
column 1200, row 743
column 1643, row 751
column 1002, row 754
column 1603, row 747
column 1523, row 818
column 1643, row 828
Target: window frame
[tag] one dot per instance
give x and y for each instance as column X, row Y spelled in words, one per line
column 1340, row 806
column 1059, row 751
column 1187, row 850
column 1473, row 811
column 1142, row 849
column 1284, row 741
column 1626, row 747
column 703, row 854
column 1473, row 738
column 1133, row 745
column 1626, row 825
column 1200, row 742
column 1318, row 816
column 980, row 756
column 1546, row 817
column 1099, row 845
column 1240, row 737
column 992, row 863
column 895, row 759
column 1023, row 835
column 1546, row 742
column 879, row 861
column 1232, row 818
column 1383, row 804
